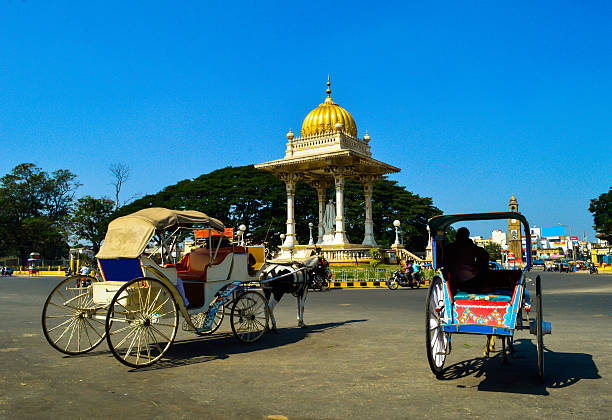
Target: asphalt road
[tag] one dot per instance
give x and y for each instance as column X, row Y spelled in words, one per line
column 362, row 356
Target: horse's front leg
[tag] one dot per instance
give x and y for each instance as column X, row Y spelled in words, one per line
column 301, row 301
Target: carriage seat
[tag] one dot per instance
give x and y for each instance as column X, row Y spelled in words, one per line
column 490, row 306
column 193, row 266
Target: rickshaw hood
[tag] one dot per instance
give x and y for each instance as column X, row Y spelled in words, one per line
column 442, row 222
column 128, row 236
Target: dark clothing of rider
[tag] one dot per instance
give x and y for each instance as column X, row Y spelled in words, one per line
column 467, row 263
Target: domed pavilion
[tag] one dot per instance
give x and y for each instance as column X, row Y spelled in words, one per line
column 328, row 152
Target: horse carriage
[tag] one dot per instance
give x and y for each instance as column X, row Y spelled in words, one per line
column 495, row 311
column 135, row 303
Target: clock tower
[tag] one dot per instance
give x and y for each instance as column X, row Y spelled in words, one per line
column 515, row 242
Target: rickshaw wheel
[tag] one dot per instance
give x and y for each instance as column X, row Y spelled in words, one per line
column 69, row 317
column 216, row 322
column 437, row 341
column 142, row 322
column 249, row 316
column 539, row 332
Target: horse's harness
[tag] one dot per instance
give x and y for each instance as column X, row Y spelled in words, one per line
column 296, row 267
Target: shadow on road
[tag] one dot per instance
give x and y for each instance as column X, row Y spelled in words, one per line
column 223, row 345
column 520, row 375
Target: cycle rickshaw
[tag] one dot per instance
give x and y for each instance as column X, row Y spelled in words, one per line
column 135, row 305
column 497, row 312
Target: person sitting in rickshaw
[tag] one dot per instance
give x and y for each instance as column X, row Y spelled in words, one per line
column 466, row 263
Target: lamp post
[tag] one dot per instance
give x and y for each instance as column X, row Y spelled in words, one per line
column 505, row 249
column 241, row 228
column 396, row 223
column 311, row 241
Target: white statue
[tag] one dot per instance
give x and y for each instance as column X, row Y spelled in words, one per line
column 329, row 219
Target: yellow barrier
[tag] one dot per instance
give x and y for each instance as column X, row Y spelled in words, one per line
column 362, row 284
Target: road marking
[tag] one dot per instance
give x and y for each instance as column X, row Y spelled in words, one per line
column 605, row 289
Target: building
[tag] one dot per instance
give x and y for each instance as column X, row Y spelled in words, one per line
column 328, row 152
column 515, row 240
column 498, row 236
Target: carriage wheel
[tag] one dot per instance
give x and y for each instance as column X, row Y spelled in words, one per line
column 199, row 321
column 437, row 341
column 249, row 316
column 142, row 322
column 539, row 332
column 70, row 318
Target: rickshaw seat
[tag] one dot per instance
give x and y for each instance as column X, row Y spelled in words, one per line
column 490, row 306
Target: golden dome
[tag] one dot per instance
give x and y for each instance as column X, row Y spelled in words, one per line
column 326, row 117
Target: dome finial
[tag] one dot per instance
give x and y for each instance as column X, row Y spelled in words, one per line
column 328, row 91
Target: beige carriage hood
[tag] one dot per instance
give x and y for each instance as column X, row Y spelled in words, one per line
column 128, row 236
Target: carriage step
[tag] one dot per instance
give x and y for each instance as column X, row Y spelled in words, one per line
column 546, row 327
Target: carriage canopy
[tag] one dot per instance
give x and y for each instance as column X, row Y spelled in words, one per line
column 128, row 236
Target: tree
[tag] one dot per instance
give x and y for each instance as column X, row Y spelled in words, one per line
column 91, row 218
column 494, row 250
column 121, row 173
column 601, row 208
column 34, row 210
column 237, row 195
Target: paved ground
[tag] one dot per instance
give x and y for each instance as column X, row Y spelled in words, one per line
column 363, row 357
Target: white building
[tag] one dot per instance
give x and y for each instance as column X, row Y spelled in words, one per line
column 498, row 236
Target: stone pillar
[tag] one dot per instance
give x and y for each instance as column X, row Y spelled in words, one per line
column 321, row 187
column 340, row 237
column 290, row 180
column 368, row 186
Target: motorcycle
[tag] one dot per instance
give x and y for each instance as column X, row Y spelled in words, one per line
column 321, row 276
column 593, row 269
column 414, row 280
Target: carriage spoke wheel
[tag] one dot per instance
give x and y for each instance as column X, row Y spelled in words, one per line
column 71, row 321
column 539, row 332
column 141, row 323
column 437, row 341
column 198, row 321
column 249, row 316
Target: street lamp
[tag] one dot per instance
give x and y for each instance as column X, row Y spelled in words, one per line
column 505, row 248
column 241, row 228
column 396, row 223
column 311, row 241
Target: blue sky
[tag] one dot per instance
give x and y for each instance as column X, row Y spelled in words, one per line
column 474, row 101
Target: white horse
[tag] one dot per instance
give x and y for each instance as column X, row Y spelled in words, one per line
column 294, row 278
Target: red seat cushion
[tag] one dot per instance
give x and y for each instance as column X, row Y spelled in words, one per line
column 481, row 312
